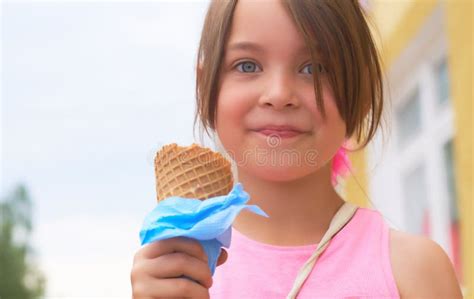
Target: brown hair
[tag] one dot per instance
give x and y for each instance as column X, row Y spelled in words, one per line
column 337, row 30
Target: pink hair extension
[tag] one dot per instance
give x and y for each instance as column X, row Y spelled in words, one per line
column 341, row 165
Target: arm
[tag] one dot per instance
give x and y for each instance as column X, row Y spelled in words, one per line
column 422, row 268
column 438, row 279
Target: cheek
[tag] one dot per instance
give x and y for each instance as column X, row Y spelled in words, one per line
column 333, row 121
column 331, row 130
column 232, row 108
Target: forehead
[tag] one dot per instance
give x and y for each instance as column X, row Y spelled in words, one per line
column 264, row 26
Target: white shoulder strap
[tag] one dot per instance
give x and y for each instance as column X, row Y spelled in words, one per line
column 343, row 216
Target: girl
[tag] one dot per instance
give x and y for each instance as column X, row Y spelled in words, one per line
column 283, row 84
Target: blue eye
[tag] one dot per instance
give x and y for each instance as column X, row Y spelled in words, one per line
column 250, row 67
column 320, row 67
column 247, row 66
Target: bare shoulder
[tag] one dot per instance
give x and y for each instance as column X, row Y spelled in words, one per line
column 421, row 267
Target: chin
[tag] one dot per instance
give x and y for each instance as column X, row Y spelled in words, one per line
column 279, row 173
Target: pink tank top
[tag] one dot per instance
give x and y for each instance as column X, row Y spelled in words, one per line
column 356, row 264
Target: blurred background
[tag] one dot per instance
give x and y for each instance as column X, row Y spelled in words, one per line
column 419, row 172
column 91, row 89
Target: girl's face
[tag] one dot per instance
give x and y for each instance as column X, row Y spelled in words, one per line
column 266, row 84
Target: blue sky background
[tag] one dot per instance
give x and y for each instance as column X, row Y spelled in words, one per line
column 90, row 90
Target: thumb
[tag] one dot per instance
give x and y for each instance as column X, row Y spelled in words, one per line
column 222, row 257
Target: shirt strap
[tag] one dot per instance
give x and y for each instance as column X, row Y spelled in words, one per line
column 342, row 217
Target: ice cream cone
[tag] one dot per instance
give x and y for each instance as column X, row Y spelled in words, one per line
column 191, row 172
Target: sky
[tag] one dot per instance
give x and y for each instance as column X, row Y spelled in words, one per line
column 89, row 92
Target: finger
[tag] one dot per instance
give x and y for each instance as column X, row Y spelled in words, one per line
column 178, row 264
column 175, row 288
column 176, row 244
column 222, row 257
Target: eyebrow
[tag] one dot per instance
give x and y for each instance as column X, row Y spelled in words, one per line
column 254, row 47
column 246, row 46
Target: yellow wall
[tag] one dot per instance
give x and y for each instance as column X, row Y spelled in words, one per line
column 356, row 185
column 397, row 23
column 459, row 30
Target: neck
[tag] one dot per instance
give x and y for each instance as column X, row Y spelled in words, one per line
column 299, row 211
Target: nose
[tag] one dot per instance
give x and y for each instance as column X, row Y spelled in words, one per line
column 279, row 92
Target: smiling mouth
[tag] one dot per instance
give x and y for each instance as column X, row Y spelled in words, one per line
column 279, row 133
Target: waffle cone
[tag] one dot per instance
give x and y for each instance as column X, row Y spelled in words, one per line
column 191, row 172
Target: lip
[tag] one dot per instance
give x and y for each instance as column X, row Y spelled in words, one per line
column 279, row 128
column 280, row 131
